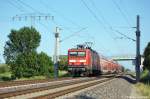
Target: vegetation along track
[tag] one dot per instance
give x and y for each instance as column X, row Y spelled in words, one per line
column 43, row 86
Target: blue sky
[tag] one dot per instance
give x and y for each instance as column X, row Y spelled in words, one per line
column 100, row 18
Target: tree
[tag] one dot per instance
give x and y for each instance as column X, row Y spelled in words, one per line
column 20, row 52
column 26, row 65
column 22, row 41
column 45, row 64
column 146, row 62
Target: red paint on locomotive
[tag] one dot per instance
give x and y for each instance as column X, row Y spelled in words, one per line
column 88, row 61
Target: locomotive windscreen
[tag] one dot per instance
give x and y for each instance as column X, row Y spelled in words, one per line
column 76, row 53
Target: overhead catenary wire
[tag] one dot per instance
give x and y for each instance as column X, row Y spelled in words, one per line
column 99, row 12
column 66, row 19
column 122, row 13
column 93, row 14
column 27, row 15
column 16, row 6
column 109, row 25
column 59, row 14
column 73, row 34
column 27, row 5
column 100, row 22
column 124, row 35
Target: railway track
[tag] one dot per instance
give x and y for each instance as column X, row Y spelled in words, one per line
column 55, row 88
column 71, row 89
column 13, row 91
column 25, row 82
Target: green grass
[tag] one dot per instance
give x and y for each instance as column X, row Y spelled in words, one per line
column 6, row 76
column 4, row 68
column 33, row 78
column 143, row 86
column 62, row 73
column 143, row 89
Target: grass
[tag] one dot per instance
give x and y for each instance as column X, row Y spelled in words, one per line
column 143, row 89
column 33, row 78
column 63, row 74
column 143, row 86
column 6, row 76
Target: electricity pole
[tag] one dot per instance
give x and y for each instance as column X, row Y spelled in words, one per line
column 56, row 52
column 138, row 58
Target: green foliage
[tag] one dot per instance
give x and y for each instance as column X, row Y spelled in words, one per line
column 45, row 63
column 145, row 76
column 146, row 62
column 20, row 53
column 63, row 63
column 25, row 65
column 21, row 41
column 5, row 76
column 4, row 68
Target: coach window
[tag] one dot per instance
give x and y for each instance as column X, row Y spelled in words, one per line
column 81, row 53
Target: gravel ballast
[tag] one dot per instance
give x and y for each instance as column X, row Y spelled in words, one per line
column 118, row 88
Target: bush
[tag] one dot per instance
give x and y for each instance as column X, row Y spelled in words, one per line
column 32, row 64
column 25, row 65
column 45, row 64
column 63, row 64
column 4, row 68
column 145, row 76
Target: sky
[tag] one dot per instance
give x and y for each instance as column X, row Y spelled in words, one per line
column 80, row 21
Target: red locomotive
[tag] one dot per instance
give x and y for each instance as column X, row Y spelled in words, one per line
column 85, row 61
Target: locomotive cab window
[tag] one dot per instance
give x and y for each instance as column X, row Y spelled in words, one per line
column 73, row 53
column 81, row 53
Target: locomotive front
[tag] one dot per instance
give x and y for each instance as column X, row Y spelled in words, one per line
column 77, row 61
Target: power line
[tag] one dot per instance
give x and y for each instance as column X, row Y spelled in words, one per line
column 101, row 15
column 125, row 35
column 122, row 13
column 94, row 15
column 27, row 5
column 14, row 5
column 72, row 35
column 110, row 27
column 100, row 22
column 59, row 13
column 33, row 16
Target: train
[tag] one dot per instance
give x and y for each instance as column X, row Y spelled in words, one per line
column 85, row 61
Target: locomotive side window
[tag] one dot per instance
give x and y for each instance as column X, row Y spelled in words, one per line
column 81, row 53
